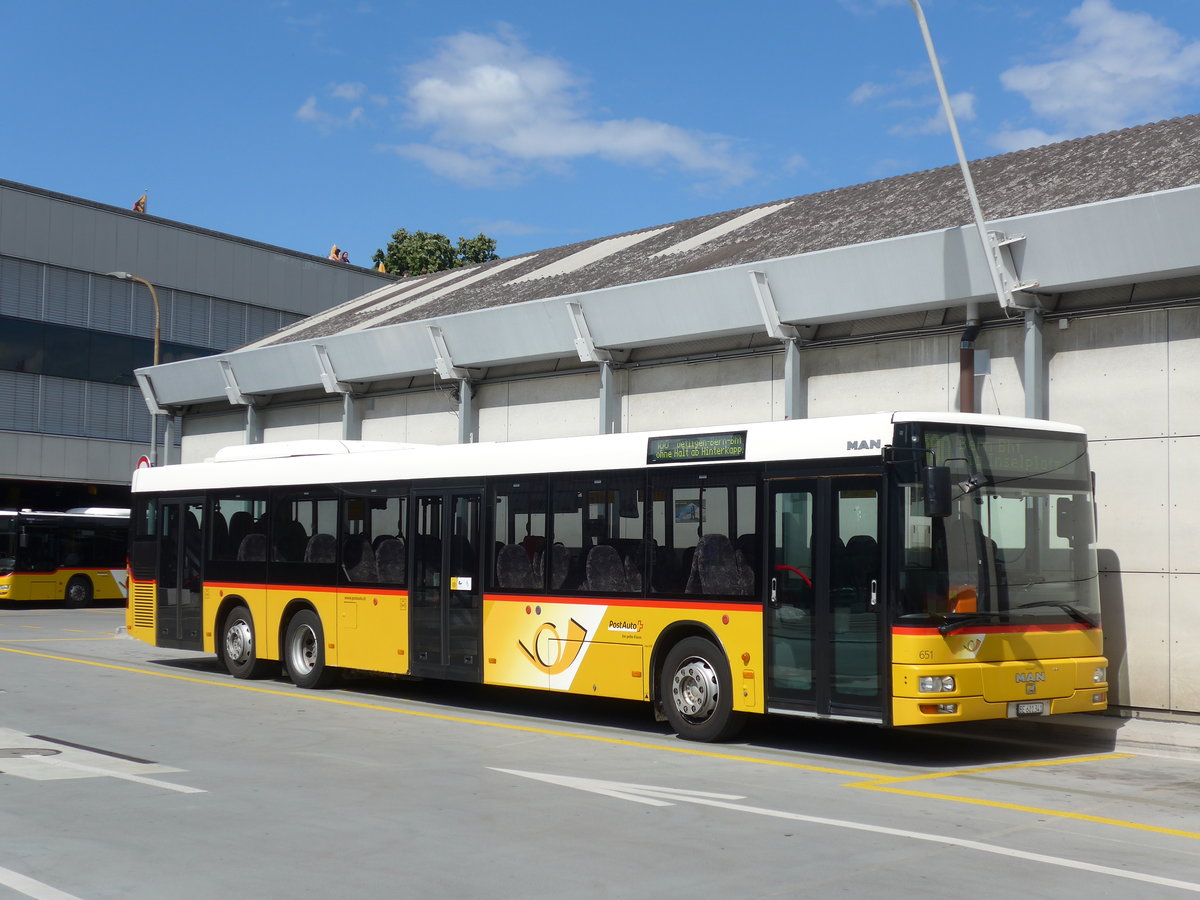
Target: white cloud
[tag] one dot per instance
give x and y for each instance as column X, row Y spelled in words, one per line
column 350, row 90
column 471, row 170
column 1011, row 139
column 492, row 106
column 963, row 105
column 1120, row 69
column 868, row 90
column 311, row 113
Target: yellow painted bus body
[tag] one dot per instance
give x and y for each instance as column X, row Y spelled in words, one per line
column 996, row 667
column 33, row 587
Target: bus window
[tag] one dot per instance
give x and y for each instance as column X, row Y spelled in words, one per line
column 519, row 529
column 705, row 536
column 304, row 528
column 598, row 534
column 238, row 526
column 374, row 546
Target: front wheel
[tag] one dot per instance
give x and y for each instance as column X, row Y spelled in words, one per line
column 239, row 645
column 79, row 592
column 697, row 692
column 304, row 652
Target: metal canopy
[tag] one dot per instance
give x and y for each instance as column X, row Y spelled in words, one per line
column 1133, row 239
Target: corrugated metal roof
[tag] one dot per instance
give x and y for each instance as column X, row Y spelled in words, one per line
column 1132, row 161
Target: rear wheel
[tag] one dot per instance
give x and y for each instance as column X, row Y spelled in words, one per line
column 304, row 652
column 697, row 692
column 239, row 645
column 79, row 592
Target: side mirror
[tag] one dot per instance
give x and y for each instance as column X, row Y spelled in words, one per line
column 936, row 481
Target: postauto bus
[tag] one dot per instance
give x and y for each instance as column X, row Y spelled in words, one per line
column 75, row 556
column 895, row 568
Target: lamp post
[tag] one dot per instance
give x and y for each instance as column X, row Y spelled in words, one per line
column 125, row 276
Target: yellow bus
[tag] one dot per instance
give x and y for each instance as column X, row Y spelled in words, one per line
column 896, row 568
column 76, row 556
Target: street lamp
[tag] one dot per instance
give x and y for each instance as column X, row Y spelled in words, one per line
column 125, row 276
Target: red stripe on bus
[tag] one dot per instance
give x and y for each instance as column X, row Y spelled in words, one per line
column 629, row 602
column 992, row 629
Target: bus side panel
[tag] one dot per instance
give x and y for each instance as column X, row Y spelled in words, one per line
column 604, row 649
column 219, row 597
column 371, row 630
column 279, row 598
column 107, row 584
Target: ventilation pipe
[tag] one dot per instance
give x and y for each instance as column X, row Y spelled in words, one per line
column 966, row 361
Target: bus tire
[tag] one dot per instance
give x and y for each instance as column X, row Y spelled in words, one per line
column 304, row 652
column 697, row 692
column 79, row 592
column 239, row 645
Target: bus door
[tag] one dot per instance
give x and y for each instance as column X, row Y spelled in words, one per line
column 824, row 613
column 446, row 587
column 180, row 581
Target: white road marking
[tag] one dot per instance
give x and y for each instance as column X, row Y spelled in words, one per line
column 24, row 756
column 112, row 773
column 659, row 796
column 31, row 887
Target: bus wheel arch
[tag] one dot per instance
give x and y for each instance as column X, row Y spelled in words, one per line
column 79, row 592
column 238, row 642
column 694, row 685
column 303, row 647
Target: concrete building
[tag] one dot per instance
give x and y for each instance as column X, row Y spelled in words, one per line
column 72, row 421
column 851, row 300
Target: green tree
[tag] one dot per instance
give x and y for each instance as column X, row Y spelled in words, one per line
column 422, row 252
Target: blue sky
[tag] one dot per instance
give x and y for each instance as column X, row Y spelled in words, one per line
column 303, row 124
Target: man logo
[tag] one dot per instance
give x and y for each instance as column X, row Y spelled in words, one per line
column 864, row 445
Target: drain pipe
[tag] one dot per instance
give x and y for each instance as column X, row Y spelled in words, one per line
column 966, row 361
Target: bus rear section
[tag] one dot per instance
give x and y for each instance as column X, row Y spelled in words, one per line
column 76, row 557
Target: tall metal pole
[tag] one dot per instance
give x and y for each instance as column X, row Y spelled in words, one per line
column 988, row 256
column 157, row 343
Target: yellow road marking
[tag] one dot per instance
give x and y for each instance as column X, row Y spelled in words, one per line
column 109, row 637
column 445, row 717
column 885, row 784
column 881, row 783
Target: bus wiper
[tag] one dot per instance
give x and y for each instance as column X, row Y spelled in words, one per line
column 1073, row 611
column 969, row 619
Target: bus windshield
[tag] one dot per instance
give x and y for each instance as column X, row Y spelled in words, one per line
column 1018, row 546
column 8, row 544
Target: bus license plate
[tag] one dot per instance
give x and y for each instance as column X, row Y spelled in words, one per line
column 1028, row 708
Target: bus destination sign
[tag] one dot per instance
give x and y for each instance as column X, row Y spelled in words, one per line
column 697, row 447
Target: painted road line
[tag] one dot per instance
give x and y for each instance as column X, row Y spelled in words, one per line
column 658, row 796
column 871, row 781
column 888, row 785
column 30, row 887
column 56, row 761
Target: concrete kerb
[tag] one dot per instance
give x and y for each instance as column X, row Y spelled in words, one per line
column 1140, row 734
column 1093, row 733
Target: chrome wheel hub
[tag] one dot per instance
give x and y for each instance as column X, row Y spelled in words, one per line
column 303, row 656
column 239, row 641
column 694, row 688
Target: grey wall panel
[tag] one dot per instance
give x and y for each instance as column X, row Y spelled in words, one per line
column 81, row 235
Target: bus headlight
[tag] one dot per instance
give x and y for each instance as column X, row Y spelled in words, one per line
column 1100, row 675
column 935, row 684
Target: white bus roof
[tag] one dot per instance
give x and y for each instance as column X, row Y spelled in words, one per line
column 322, row 462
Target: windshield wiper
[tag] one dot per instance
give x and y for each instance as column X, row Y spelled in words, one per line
column 969, row 619
column 1073, row 611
